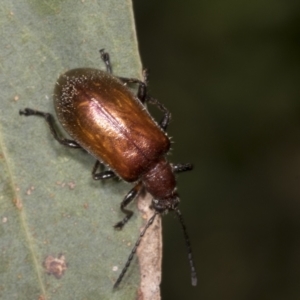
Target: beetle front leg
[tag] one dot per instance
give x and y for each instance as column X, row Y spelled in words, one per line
column 50, row 120
column 102, row 175
column 128, row 198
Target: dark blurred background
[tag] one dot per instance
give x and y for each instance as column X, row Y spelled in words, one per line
column 229, row 71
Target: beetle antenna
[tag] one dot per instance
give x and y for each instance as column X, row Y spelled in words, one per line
column 189, row 248
column 133, row 251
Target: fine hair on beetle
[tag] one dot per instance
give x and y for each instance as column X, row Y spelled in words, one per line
column 106, row 119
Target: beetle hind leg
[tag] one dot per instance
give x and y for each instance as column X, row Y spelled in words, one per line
column 128, row 198
column 167, row 115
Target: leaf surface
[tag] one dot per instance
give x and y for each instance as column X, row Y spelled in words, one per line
column 49, row 204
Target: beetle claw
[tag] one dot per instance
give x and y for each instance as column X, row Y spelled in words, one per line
column 119, row 225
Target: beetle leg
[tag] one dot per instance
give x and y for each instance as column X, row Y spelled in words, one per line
column 167, row 115
column 142, row 87
column 102, row 175
column 128, row 198
column 142, row 90
column 144, row 98
column 50, row 120
column 105, row 57
column 182, row 167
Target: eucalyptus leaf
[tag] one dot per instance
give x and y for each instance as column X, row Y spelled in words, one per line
column 52, row 213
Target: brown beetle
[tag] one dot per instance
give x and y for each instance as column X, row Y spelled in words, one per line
column 106, row 119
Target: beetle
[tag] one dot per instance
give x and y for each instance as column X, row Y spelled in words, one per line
column 105, row 118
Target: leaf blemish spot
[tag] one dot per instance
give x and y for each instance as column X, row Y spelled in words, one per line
column 115, row 268
column 55, row 266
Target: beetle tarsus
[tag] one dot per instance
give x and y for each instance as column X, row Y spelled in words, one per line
column 127, row 199
column 121, row 224
column 178, row 168
column 26, row 112
column 105, row 57
column 50, row 121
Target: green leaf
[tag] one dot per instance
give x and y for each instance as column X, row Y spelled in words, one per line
column 49, row 204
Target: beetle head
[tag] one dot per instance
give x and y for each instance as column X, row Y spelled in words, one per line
column 166, row 204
